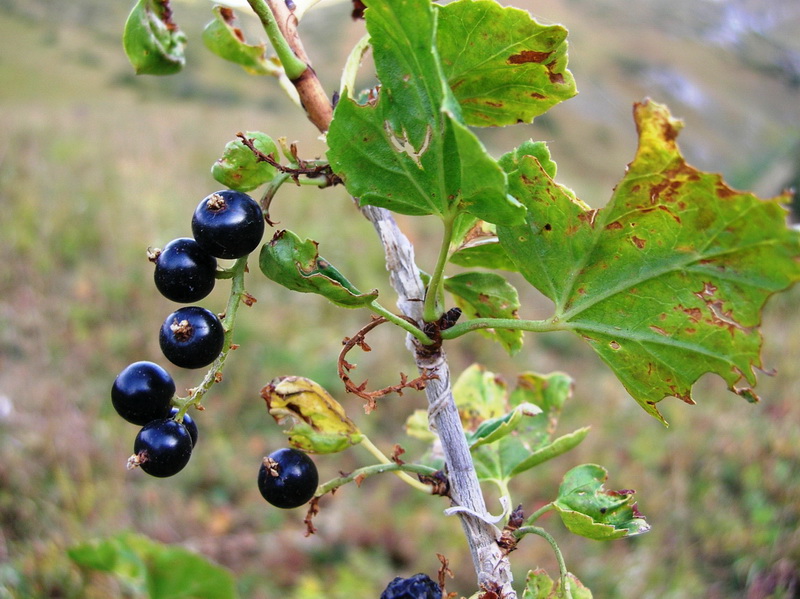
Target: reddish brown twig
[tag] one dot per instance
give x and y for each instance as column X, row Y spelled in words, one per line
column 371, row 397
column 304, row 167
column 313, row 510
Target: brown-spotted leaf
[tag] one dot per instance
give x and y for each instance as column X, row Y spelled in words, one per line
column 503, row 66
column 667, row 282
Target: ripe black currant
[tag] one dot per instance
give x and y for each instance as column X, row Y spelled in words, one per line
column 185, row 272
column 142, row 392
column 189, row 423
column 287, row 478
column 162, row 448
column 228, row 224
column 419, row 586
column 192, row 337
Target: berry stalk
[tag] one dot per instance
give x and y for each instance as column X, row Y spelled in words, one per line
column 237, row 296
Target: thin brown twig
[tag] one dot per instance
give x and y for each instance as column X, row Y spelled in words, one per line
column 312, row 171
column 371, row 397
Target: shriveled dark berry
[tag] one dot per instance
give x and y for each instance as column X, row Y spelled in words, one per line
column 419, row 586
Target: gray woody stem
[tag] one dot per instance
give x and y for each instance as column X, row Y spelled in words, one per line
column 491, row 565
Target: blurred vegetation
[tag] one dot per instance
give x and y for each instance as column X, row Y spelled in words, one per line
column 96, row 165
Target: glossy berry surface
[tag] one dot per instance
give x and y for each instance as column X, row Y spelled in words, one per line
column 142, row 392
column 192, row 337
column 287, row 478
column 189, row 423
column 163, row 447
column 185, row 272
column 419, row 586
column 228, row 224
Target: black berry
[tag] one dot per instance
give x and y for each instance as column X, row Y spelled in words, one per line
column 192, row 337
column 228, row 224
column 142, row 392
column 287, row 478
column 185, row 272
column 162, row 448
column 189, row 423
column 419, row 586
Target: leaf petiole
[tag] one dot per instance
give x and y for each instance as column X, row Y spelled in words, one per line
column 564, row 592
column 401, row 322
column 433, row 306
column 373, row 449
column 535, row 326
column 292, row 65
column 361, row 473
column 538, row 513
column 214, row 374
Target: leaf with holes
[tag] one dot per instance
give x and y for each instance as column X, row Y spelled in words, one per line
column 589, row 510
column 317, row 423
column 503, row 66
column 153, row 42
column 407, row 149
column 667, row 282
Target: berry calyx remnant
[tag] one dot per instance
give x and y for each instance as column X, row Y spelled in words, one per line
column 192, row 337
column 228, row 224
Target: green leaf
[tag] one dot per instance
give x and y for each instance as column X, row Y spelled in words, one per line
column 539, row 585
column 531, row 412
column 297, row 265
column 317, row 422
column 479, row 395
column 587, row 509
column 536, row 149
column 152, row 41
column 475, row 244
column 407, row 150
column 502, row 65
column 164, row 571
column 227, row 41
column 239, row 168
column 552, row 450
column 667, row 282
column 495, row 429
column 488, row 295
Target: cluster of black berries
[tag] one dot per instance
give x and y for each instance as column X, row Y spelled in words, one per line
column 419, row 586
column 228, row 225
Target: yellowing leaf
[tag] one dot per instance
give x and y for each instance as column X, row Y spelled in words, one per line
column 317, row 422
column 667, row 282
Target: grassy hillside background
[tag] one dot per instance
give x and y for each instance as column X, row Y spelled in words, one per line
column 96, row 165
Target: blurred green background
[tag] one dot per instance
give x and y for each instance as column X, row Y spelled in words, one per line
column 97, row 165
